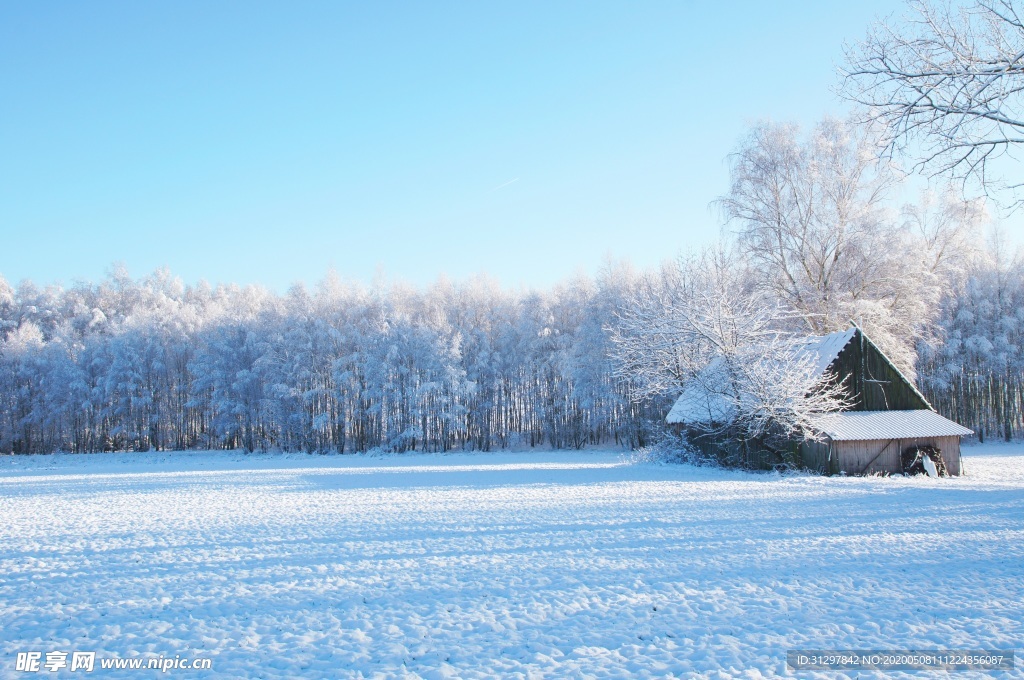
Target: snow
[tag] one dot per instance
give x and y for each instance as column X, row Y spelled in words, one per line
column 826, row 348
column 546, row 564
column 700, row 404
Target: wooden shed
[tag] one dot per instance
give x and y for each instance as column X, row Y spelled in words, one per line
column 865, row 442
column 887, row 413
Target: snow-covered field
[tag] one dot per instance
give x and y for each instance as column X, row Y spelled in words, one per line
column 549, row 564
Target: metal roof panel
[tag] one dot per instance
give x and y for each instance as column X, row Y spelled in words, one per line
column 865, row 425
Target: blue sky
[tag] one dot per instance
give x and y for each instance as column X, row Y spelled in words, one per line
column 267, row 142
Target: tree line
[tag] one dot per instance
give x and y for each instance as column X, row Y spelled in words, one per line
column 153, row 364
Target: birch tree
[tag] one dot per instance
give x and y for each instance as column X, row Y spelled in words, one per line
column 810, row 214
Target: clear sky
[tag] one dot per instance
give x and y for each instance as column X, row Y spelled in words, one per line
column 267, row 142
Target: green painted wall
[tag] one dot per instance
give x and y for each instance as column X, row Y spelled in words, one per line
column 874, row 384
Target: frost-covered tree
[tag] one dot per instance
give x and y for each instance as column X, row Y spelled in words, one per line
column 810, row 215
column 973, row 368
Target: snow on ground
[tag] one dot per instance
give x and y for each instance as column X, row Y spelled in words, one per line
column 552, row 564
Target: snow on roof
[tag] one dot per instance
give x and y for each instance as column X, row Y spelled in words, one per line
column 699, row 405
column 828, row 347
column 864, row 425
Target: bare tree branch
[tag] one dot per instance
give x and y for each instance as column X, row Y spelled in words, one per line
column 946, row 86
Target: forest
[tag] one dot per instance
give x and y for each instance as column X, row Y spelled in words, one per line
column 152, row 364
